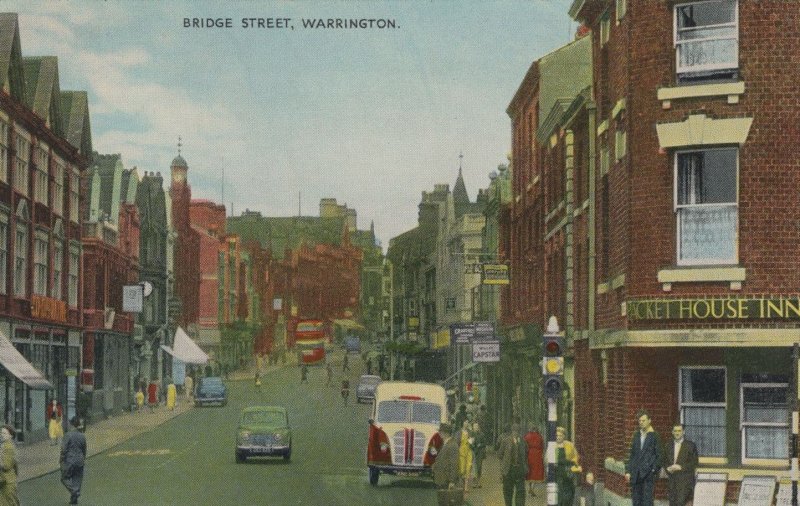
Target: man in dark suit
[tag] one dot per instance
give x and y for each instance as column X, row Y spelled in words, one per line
column 680, row 463
column 513, row 456
column 644, row 463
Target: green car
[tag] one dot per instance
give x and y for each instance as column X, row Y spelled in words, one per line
column 263, row 432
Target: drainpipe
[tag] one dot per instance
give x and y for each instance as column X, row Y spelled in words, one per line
column 591, row 108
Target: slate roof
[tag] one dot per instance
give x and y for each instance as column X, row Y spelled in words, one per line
column 42, row 93
column 11, row 55
column 75, row 120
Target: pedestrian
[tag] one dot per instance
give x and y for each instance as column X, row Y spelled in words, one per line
column 680, row 462
column 258, row 381
column 188, row 387
column 345, row 365
column 465, row 454
column 513, row 456
column 73, row 457
column 535, row 443
column 586, row 496
column 329, row 371
column 152, row 395
column 460, row 417
column 172, row 395
column 55, row 419
column 304, row 373
column 345, row 390
column 139, row 400
column 83, row 403
column 8, row 467
column 478, row 452
column 445, row 468
column 645, row 461
column 566, row 467
column 482, row 417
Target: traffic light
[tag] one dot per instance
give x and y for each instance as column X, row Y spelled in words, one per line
column 553, row 365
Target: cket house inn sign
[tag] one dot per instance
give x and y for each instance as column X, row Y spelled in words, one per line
column 723, row 308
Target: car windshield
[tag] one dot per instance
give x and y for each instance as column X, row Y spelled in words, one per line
column 409, row 411
column 272, row 418
column 370, row 380
column 212, row 385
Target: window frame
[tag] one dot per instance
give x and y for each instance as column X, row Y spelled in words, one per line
column 5, row 145
column 41, row 264
column 73, row 277
column 679, row 71
column 58, row 186
column 723, row 405
column 20, row 281
column 41, row 188
column 743, row 424
column 22, row 163
column 676, row 208
column 4, row 226
column 58, row 251
column 74, row 194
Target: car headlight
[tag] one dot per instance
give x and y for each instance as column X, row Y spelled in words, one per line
column 278, row 437
column 433, row 451
column 244, row 434
column 384, row 447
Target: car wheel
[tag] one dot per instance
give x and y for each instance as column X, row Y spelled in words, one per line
column 373, row 476
column 240, row 457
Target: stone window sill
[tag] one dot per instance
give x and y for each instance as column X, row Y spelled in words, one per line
column 734, row 275
column 731, row 90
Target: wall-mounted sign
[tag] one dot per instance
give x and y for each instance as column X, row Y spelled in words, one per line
column 722, row 308
column 495, row 274
column 486, row 351
column 45, row 308
column 132, row 298
column 413, row 322
column 472, row 332
column 277, row 304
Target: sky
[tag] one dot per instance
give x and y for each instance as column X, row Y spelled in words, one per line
column 372, row 117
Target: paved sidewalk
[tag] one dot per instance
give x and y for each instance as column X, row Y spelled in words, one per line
column 41, row 458
column 491, row 492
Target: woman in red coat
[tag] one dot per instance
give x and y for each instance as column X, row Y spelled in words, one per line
column 535, row 458
column 152, row 395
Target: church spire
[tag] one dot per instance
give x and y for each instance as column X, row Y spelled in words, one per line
column 460, row 195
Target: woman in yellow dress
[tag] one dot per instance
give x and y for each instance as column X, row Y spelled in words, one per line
column 172, row 394
column 465, row 454
column 54, row 421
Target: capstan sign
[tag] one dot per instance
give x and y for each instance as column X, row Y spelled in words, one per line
column 723, row 308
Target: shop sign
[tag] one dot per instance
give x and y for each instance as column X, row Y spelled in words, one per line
column 277, row 304
column 441, row 338
column 486, row 351
column 722, row 308
column 757, row 491
column 462, row 333
column 495, row 274
column 413, row 322
column 45, row 308
column 71, row 372
column 132, row 298
column 483, row 331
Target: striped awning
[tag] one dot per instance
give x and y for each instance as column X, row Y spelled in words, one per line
column 13, row 362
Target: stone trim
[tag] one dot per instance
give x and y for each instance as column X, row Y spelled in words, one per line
column 733, row 275
column 689, row 338
column 618, row 281
column 700, row 130
column 618, row 108
column 602, row 127
column 602, row 288
column 731, row 90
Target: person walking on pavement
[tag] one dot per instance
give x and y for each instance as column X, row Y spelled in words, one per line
column 460, row 417
column 304, row 373
column 445, row 467
column 478, row 452
column 535, row 443
column 345, row 390
column 345, row 364
column 566, row 467
column 329, row 371
column 465, row 454
column 55, row 420
column 513, row 456
column 258, row 381
column 152, row 395
column 645, row 461
column 8, row 467
column 172, row 395
column 188, row 387
column 680, row 462
column 139, row 400
column 73, row 458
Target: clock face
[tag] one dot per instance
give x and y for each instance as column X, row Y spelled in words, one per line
column 147, row 287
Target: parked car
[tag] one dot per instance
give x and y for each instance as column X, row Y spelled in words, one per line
column 352, row 344
column 210, row 390
column 263, row 432
column 366, row 387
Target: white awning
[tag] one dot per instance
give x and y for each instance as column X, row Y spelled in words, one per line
column 15, row 363
column 186, row 350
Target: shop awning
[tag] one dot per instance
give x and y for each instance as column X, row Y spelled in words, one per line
column 186, row 350
column 15, row 363
column 348, row 324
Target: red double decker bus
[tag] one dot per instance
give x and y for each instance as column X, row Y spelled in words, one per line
column 309, row 341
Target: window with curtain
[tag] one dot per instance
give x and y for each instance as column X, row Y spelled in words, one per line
column 706, row 37
column 74, row 188
column 765, row 421
column 707, row 206
column 21, row 261
column 58, row 188
column 40, row 261
column 58, row 261
column 702, row 405
column 23, row 163
column 41, row 181
column 74, row 262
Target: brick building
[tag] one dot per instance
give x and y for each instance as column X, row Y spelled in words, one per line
column 111, row 260
column 695, row 289
column 45, row 144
